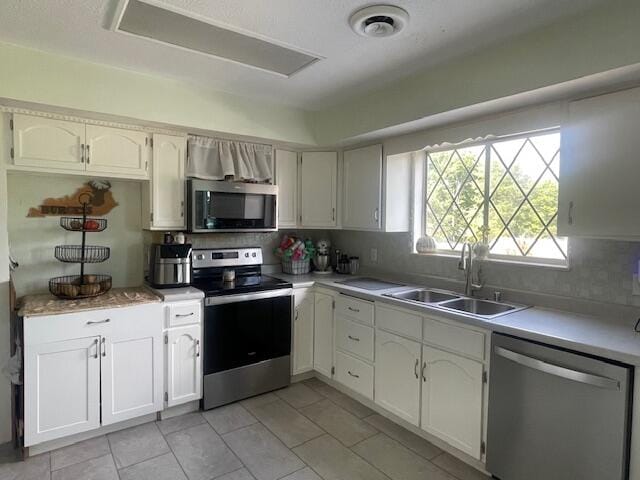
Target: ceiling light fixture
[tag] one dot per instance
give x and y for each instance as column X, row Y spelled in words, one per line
column 379, row 21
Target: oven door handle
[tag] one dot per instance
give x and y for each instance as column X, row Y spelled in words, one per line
column 247, row 297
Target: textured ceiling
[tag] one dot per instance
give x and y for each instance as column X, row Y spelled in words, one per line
column 438, row 30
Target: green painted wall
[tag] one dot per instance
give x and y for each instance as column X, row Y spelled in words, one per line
column 601, row 39
column 35, row 76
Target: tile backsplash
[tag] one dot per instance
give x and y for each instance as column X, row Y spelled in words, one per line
column 599, row 270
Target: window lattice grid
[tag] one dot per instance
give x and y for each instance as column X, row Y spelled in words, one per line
column 503, row 192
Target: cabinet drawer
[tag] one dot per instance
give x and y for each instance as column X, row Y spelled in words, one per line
column 354, row 338
column 354, row 374
column 399, row 321
column 451, row 337
column 355, row 308
column 183, row 314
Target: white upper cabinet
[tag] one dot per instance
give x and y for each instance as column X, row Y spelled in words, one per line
column 362, row 188
column 318, row 189
column 323, row 334
column 167, row 190
column 116, row 150
column 47, row 143
column 600, row 167
column 303, row 331
column 397, row 376
column 452, row 399
column 287, row 182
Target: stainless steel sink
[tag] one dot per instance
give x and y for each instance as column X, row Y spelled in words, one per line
column 424, row 295
column 482, row 308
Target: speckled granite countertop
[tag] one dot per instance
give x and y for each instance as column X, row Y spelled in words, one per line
column 47, row 304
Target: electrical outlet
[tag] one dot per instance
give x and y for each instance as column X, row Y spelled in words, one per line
column 373, row 255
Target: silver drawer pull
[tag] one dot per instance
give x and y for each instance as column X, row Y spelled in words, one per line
column 354, row 309
column 353, row 374
column 95, row 322
column 355, row 339
column 180, row 315
column 557, row 370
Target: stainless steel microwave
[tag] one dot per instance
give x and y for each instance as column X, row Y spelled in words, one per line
column 219, row 206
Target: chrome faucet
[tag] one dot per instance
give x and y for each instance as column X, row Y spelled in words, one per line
column 466, row 264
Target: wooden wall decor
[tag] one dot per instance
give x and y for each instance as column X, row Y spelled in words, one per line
column 102, row 202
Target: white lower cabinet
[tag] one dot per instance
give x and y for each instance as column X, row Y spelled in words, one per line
column 132, row 365
column 323, row 334
column 62, row 388
column 452, row 399
column 303, row 327
column 183, row 368
column 87, row 369
column 397, row 376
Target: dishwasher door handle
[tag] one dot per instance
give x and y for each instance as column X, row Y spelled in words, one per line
column 558, row 371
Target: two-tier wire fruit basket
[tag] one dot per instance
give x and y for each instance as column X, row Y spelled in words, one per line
column 83, row 285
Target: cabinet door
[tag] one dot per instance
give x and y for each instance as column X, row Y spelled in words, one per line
column 362, row 184
column 48, row 143
column 61, row 388
column 168, row 181
column 600, row 167
column 452, row 399
column 132, row 363
column 318, row 189
column 323, row 334
column 118, row 151
column 397, row 376
column 287, row 181
column 303, row 331
column 183, row 365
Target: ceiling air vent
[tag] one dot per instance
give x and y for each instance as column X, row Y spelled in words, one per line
column 148, row 20
column 379, row 21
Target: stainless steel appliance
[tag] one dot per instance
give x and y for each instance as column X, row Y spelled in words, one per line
column 556, row 414
column 170, row 265
column 231, row 206
column 247, row 326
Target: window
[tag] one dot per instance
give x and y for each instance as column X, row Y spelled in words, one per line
column 502, row 192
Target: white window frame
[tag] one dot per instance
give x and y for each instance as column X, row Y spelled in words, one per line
column 420, row 201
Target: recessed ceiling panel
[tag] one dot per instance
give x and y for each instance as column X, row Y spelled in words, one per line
column 167, row 26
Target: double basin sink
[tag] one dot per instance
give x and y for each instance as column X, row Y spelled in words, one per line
column 456, row 303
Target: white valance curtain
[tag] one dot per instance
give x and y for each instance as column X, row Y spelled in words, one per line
column 213, row 159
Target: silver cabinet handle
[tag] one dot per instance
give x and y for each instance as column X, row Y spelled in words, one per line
column 104, row 347
column 333, row 214
column 353, row 374
column 182, row 208
column 355, row 339
column 424, row 367
column 87, row 157
column 96, row 322
column 181, row 315
column 375, row 214
column 353, row 309
column 82, row 153
column 296, row 315
column 570, row 214
column 415, row 369
column 95, row 343
column 197, row 348
column 558, row 371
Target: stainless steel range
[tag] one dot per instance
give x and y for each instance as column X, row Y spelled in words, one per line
column 247, row 325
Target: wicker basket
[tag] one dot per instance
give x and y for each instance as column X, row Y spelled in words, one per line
column 296, row 267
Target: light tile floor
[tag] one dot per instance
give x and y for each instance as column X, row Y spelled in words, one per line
column 308, row 431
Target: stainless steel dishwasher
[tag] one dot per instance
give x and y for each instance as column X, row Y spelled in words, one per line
column 555, row 414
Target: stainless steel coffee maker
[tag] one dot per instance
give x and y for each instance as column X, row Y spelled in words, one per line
column 170, row 265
